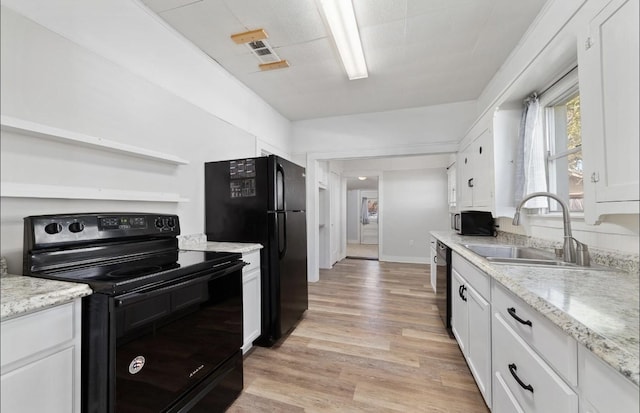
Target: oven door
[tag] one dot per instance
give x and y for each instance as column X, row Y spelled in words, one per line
column 172, row 340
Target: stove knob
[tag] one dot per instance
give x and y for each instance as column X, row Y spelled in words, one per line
column 171, row 223
column 53, row 228
column 159, row 223
column 76, row 227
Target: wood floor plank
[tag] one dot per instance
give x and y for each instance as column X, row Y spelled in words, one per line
column 371, row 341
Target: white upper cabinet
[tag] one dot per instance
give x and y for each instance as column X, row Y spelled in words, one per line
column 608, row 70
column 451, row 187
column 476, row 173
column 486, row 166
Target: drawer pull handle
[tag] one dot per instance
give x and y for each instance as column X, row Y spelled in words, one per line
column 513, row 369
column 512, row 313
column 461, row 291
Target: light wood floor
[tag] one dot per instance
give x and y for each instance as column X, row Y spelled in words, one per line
column 368, row 251
column 371, row 341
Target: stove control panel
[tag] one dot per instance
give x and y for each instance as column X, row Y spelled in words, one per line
column 46, row 231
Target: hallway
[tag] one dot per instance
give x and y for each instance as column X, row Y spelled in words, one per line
column 362, row 251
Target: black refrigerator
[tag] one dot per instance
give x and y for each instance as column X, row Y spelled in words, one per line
column 263, row 200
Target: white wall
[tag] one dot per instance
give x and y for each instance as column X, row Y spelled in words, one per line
column 414, row 203
column 48, row 79
column 128, row 34
column 399, row 132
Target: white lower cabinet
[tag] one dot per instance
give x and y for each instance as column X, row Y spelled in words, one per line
column 459, row 312
column 471, row 320
column 521, row 361
column 602, row 389
column 251, row 299
column 41, row 361
column 479, row 346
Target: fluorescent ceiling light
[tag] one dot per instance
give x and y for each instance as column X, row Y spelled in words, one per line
column 342, row 23
column 362, row 178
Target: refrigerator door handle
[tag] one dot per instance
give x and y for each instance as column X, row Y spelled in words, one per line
column 282, row 234
column 280, row 188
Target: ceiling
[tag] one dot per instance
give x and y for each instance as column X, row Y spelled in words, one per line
column 418, row 52
column 371, row 183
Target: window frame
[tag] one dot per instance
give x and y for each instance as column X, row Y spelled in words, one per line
column 565, row 89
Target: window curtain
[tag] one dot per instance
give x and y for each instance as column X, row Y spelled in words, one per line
column 530, row 157
column 364, row 214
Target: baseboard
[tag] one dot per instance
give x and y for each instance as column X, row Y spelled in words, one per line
column 353, row 241
column 404, row 260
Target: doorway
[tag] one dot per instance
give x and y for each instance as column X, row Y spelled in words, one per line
column 363, row 216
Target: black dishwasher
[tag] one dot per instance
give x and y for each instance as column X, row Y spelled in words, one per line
column 443, row 284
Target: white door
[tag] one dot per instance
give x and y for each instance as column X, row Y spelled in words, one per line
column 334, row 218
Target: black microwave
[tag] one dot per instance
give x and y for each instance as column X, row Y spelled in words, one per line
column 473, row 223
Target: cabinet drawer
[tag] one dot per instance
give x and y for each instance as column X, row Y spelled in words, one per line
column 33, row 333
column 253, row 259
column 503, row 399
column 514, row 360
column 474, row 276
column 554, row 345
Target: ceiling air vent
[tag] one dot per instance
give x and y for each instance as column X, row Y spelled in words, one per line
column 256, row 41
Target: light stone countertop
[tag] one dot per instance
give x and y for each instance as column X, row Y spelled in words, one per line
column 198, row 242
column 20, row 294
column 240, row 247
column 600, row 309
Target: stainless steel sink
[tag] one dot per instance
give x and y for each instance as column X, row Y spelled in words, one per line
column 519, row 255
column 510, row 252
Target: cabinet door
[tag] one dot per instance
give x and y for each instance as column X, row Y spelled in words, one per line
column 45, row 385
column 482, row 165
column 251, row 300
column 608, row 62
column 459, row 312
column 251, row 308
column 465, row 178
column 479, row 344
column 451, row 187
column 605, row 388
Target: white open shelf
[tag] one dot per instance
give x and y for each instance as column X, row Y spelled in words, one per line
column 12, row 124
column 18, row 190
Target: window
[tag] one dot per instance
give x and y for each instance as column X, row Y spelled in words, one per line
column 561, row 105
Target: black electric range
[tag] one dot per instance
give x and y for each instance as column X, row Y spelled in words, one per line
column 163, row 329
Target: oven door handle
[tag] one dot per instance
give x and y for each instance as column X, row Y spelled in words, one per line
column 216, row 271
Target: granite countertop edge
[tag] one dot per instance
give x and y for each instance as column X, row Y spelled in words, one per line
column 214, row 246
column 624, row 360
column 21, row 295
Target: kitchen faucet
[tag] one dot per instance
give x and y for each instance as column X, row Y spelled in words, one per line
column 569, row 249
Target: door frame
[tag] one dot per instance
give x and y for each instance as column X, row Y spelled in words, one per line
column 355, row 174
column 312, row 171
